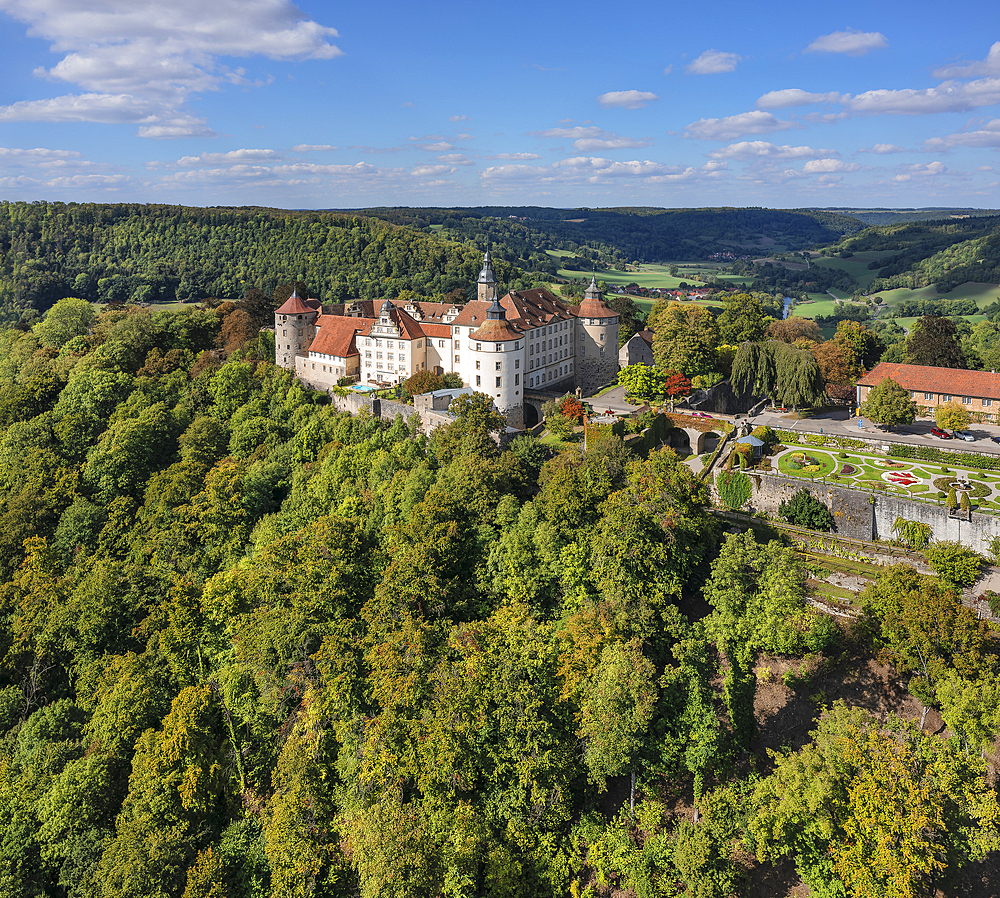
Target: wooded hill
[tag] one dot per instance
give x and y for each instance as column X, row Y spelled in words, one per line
column 144, row 253
column 254, row 648
column 942, row 253
column 618, row 236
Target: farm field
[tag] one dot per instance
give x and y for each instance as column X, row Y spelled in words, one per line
column 983, row 294
column 856, row 266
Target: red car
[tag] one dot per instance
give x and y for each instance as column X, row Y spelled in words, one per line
column 940, row 434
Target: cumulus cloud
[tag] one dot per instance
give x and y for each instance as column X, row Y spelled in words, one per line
column 829, row 166
column 950, row 96
column 732, row 126
column 792, row 96
column 140, row 61
column 233, row 157
column 311, row 148
column 920, row 170
column 883, row 149
column 515, row 157
column 455, row 159
column 987, row 135
column 761, row 149
column 712, row 62
column 627, row 99
column 594, row 170
column 30, row 172
column 458, row 118
column 590, row 138
column 989, row 66
column 854, row 43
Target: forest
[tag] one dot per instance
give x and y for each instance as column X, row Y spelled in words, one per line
column 250, row 646
column 618, row 236
column 130, row 253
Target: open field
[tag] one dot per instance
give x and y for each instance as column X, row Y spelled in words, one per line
column 856, row 266
column 646, row 276
column 983, row 294
column 822, row 304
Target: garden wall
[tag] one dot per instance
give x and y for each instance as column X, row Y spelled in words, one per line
column 852, row 510
column 975, row 533
column 863, row 515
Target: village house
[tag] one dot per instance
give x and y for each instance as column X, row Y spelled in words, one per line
column 977, row 391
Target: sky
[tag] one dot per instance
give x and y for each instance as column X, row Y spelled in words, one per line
column 346, row 105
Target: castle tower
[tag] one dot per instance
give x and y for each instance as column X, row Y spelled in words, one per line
column 497, row 348
column 486, row 286
column 294, row 329
column 598, row 330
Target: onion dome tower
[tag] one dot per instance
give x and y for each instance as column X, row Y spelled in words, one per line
column 497, row 349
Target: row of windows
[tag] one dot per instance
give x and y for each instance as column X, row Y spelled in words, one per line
column 517, row 380
column 947, row 397
column 546, row 376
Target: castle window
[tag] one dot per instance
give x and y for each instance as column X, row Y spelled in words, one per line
column 458, row 344
column 531, row 382
column 531, row 349
column 602, row 336
column 517, row 363
column 389, row 355
column 517, row 379
column 284, row 333
column 300, row 331
column 441, row 344
column 498, row 366
column 498, row 381
column 479, row 346
column 499, row 347
column 368, row 353
column 945, row 398
column 479, row 381
column 602, row 352
column 420, row 343
column 378, row 355
column 517, row 345
column 928, row 395
column 477, row 364
column 987, row 403
column 456, row 360
column 966, row 400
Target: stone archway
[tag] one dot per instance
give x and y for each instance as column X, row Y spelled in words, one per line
column 531, row 415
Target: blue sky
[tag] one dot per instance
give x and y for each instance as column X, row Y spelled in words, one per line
column 317, row 105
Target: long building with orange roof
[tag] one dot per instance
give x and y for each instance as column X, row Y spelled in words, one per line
column 526, row 340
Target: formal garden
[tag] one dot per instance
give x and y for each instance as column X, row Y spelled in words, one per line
column 909, row 477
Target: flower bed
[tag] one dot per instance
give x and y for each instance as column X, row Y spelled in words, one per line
column 900, row 478
column 806, row 464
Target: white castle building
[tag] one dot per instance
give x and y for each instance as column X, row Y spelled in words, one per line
column 526, row 340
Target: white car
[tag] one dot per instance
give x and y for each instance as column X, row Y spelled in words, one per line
column 963, row 435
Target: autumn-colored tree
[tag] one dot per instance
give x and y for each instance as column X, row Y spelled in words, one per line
column 676, row 385
column 788, row 330
column 425, row 381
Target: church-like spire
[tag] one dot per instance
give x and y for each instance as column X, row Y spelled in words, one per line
column 593, row 291
column 496, row 312
column 487, row 283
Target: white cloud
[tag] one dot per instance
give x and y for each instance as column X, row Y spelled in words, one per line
column 733, row 126
column 712, row 62
column 854, row 43
column 989, row 66
column 828, row 166
column 627, row 99
column 593, row 170
column 589, row 138
column 920, row 170
column 987, row 135
column 951, row 96
column 233, row 157
column 761, row 149
column 668, row 69
column 515, row 157
column 455, row 159
column 141, row 60
column 883, row 149
column 458, row 118
column 792, row 96
column 589, row 144
column 311, row 148
column 424, row 171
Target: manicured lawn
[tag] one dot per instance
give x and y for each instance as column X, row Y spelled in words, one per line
column 806, row 463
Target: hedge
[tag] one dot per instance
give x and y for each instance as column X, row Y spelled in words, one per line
column 822, row 439
column 949, row 457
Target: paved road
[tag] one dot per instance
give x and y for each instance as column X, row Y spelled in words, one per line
column 838, row 423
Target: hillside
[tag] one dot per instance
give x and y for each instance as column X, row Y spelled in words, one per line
column 147, row 253
column 617, row 236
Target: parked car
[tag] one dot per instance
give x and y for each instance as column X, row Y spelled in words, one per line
column 940, row 434
column 995, row 439
column 963, row 435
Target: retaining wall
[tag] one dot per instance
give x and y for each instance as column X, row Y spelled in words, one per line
column 864, row 515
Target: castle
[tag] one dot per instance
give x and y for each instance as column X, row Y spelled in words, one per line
column 526, row 340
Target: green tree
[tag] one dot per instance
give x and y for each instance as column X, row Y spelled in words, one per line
column 888, row 404
column 951, row 416
column 641, row 380
column 68, row 318
column 805, row 510
column 745, row 318
column 934, row 341
column 958, row 566
column 686, row 338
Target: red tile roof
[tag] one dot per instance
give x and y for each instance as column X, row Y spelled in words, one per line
column 925, row 379
column 440, row 331
column 295, row 306
column 336, row 335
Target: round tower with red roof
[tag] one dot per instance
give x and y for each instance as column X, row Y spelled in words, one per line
column 294, row 329
column 598, row 359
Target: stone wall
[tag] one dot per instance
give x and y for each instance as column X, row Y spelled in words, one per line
column 863, row 515
column 723, row 400
column 975, row 533
column 852, row 509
